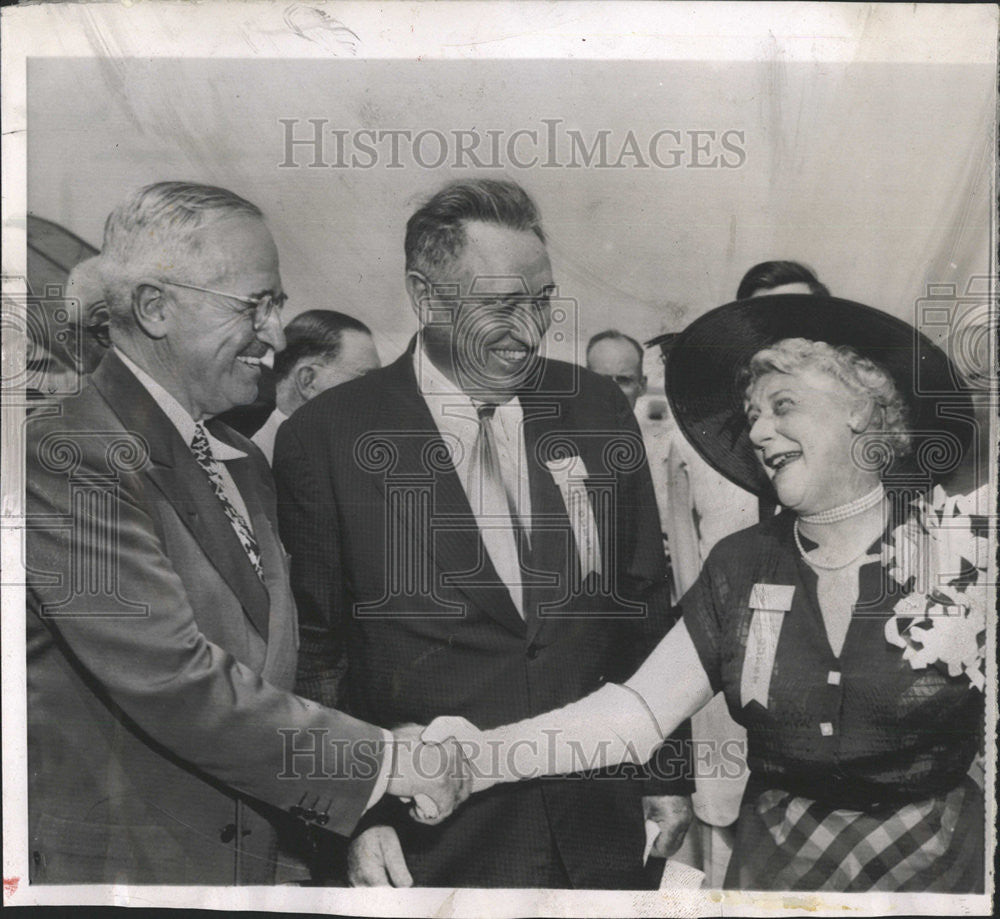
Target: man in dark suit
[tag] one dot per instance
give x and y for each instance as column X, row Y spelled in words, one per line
column 164, row 744
column 477, row 526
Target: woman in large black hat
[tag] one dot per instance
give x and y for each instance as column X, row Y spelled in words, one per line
column 846, row 632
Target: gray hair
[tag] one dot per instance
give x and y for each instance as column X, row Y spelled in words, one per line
column 862, row 377
column 156, row 226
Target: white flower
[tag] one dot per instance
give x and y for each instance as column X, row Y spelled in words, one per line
column 948, row 635
column 911, row 605
column 976, row 502
column 930, row 553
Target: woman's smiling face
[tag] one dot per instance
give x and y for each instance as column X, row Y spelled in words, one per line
column 802, row 426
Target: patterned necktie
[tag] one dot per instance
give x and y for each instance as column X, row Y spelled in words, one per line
column 203, row 454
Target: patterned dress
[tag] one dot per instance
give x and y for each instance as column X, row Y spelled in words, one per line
column 858, row 762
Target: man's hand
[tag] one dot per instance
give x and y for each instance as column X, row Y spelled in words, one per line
column 375, row 859
column 435, row 776
column 672, row 814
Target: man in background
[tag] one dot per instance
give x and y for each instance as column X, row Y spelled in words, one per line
column 323, row 348
column 618, row 356
column 779, row 277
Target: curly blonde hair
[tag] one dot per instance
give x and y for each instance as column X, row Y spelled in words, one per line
column 862, row 376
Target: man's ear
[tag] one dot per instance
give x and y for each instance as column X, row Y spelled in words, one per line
column 419, row 290
column 150, row 308
column 305, row 376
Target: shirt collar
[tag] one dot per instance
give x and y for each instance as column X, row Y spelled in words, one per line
column 178, row 415
column 431, row 380
column 433, row 383
column 454, row 411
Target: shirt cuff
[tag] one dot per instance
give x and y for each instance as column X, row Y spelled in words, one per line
column 382, row 782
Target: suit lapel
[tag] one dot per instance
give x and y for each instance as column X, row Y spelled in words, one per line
column 183, row 483
column 553, row 555
column 453, row 541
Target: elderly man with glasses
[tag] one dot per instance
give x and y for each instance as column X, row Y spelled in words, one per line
column 165, row 745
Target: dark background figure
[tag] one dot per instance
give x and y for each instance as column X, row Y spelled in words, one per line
column 323, row 348
column 618, row 356
column 779, row 277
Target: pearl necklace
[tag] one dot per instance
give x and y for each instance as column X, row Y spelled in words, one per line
column 820, row 565
column 846, row 511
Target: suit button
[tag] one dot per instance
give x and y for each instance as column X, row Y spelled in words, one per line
column 533, row 652
column 228, row 833
column 323, row 819
column 297, row 811
column 310, row 814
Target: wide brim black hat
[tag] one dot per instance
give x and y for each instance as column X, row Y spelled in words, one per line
column 706, row 363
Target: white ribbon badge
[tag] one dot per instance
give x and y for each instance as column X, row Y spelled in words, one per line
column 570, row 475
column 769, row 603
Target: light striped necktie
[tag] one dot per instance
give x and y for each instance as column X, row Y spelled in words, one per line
column 202, row 451
column 489, row 461
column 495, row 501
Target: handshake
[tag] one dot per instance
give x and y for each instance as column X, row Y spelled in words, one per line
column 431, row 767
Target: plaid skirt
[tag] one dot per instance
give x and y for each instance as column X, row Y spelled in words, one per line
column 787, row 842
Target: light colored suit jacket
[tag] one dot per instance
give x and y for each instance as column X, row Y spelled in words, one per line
column 160, row 717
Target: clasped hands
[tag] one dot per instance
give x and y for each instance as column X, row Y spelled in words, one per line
column 430, row 769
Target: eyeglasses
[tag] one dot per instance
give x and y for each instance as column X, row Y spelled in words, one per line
column 263, row 307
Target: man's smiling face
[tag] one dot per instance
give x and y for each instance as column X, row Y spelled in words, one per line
column 212, row 342
column 502, row 281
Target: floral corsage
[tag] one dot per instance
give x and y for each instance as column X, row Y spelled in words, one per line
column 939, row 557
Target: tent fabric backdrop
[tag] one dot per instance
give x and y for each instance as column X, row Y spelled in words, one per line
column 877, row 175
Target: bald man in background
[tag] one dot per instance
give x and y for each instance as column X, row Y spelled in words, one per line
column 618, row 356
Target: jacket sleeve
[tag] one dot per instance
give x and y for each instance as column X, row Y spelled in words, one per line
column 155, row 669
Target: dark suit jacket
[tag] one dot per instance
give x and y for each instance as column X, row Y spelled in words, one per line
column 159, row 666
column 387, row 561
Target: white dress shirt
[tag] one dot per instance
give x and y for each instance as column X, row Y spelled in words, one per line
column 264, row 438
column 455, row 414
